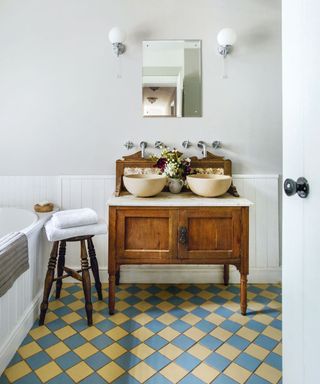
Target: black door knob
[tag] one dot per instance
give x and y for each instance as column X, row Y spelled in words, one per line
column 301, row 187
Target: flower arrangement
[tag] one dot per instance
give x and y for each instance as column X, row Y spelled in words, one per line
column 172, row 164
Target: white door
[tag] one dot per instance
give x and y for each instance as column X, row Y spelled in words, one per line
column 301, row 217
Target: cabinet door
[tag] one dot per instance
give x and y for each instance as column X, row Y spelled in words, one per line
column 146, row 235
column 210, row 234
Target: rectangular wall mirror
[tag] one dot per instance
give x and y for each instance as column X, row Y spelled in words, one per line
column 171, row 78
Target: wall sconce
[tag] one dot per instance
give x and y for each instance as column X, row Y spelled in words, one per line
column 117, row 37
column 226, row 39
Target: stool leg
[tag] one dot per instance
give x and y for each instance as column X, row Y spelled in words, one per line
column 86, row 283
column 94, row 267
column 48, row 281
column 61, row 262
column 226, row 274
column 118, row 275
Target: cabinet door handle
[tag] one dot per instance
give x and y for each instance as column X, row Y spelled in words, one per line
column 183, row 235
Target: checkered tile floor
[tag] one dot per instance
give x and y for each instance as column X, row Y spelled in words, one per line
column 188, row 334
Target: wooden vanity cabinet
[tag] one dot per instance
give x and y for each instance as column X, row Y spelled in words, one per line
column 178, row 235
column 177, row 229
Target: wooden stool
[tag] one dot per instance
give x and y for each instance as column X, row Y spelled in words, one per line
column 82, row 274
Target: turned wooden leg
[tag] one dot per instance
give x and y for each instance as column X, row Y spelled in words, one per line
column 226, row 274
column 48, row 281
column 118, row 275
column 243, row 293
column 61, row 262
column 94, row 267
column 112, row 293
column 86, row 283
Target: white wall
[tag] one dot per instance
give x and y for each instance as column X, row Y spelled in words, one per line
column 64, row 111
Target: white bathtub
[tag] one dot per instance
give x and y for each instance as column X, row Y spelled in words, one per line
column 19, row 306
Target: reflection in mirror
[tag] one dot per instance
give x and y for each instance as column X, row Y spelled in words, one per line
column 171, row 83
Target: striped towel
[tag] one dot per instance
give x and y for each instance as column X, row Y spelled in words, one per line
column 14, row 259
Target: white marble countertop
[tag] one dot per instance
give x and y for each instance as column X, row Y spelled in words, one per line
column 185, row 199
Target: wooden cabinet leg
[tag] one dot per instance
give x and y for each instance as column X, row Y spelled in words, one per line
column 118, row 275
column 112, row 293
column 243, row 293
column 95, row 268
column 226, row 274
column 61, row 263
column 86, row 282
column 48, row 281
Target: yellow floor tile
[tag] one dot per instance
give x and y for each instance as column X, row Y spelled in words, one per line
column 171, row 351
column 237, row 373
column 264, row 319
column 228, row 351
column 142, row 333
column 257, row 351
column 195, row 333
column 143, row 318
column 143, row 295
column 79, row 371
column 165, row 306
column 142, row 351
column 110, row 372
column 199, row 351
column 53, row 305
column 268, row 373
column 185, row 295
column 268, row 294
column 76, row 305
column 191, row 319
column 17, row 371
column 247, row 333
column 57, row 350
column 122, row 305
column 142, row 372
column 29, row 350
column 65, row 332
column 166, row 318
column 273, row 333
column 173, row 372
column 116, row 333
column 142, row 306
column 221, row 334
column 205, row 295
column 90, row 333
column 119, row 318
column 48, row 371
column 187, row 306
column 168, row 333
column 227, row 295
column 86, row 350
column 237, row 318
column 38, row 332
column 97, row 317
column 278, row 349
column 114, row 351
column 71, row 317
column 205, row 373
column 99, row 305
column 215, row 319
column 50, row 316
column 164, row 295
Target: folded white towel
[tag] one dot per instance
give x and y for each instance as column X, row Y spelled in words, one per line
column 56, row 234
column 74, row 218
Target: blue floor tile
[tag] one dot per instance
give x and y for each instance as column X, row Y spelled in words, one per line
column 238, row 342
column 93, row 379
column 155, row 326
column 187, row 361
column 63, row 378
column 129, row 342
column 47, row 341
column 156, row 342
column 68, row 360
column 75, row 341
column 211, row 342
column 254, row 379
column 157, row 361
column 180, row 326
column 223, row 379
column 274, row 360
column 183, row 342
column 38, row 360
column 127, row 361
column 265, row 342
column 217, row 361
column 205, row 326
column 230, row 326
column 130, row 325
column 101, row 341
column 98, row 360
column 157, row 379
column 224, row 312
column 191, row 379
column 30, row 378
column 255, row 326
column 248, row 362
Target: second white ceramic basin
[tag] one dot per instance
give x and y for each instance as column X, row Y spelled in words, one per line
column 144, row 185
column 209, row 185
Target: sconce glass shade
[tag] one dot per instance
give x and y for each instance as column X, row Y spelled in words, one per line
column 226, row 36
column 116, row 35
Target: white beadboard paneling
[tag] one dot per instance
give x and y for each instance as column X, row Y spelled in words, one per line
column 262, row 190
column 25, row 191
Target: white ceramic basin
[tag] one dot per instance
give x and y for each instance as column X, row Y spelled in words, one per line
column 144, row 185
column 209, row 185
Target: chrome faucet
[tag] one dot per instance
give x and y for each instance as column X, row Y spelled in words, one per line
column 186, row 144
column 202, row 145
column 158, row 144
column 143, row 146
column 216, row 144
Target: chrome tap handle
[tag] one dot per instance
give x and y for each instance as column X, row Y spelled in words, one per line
column 202, row 145
column 216, row 144
column 143, row 146
column 186, row 144
column 158, row 144
column 129, row 145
